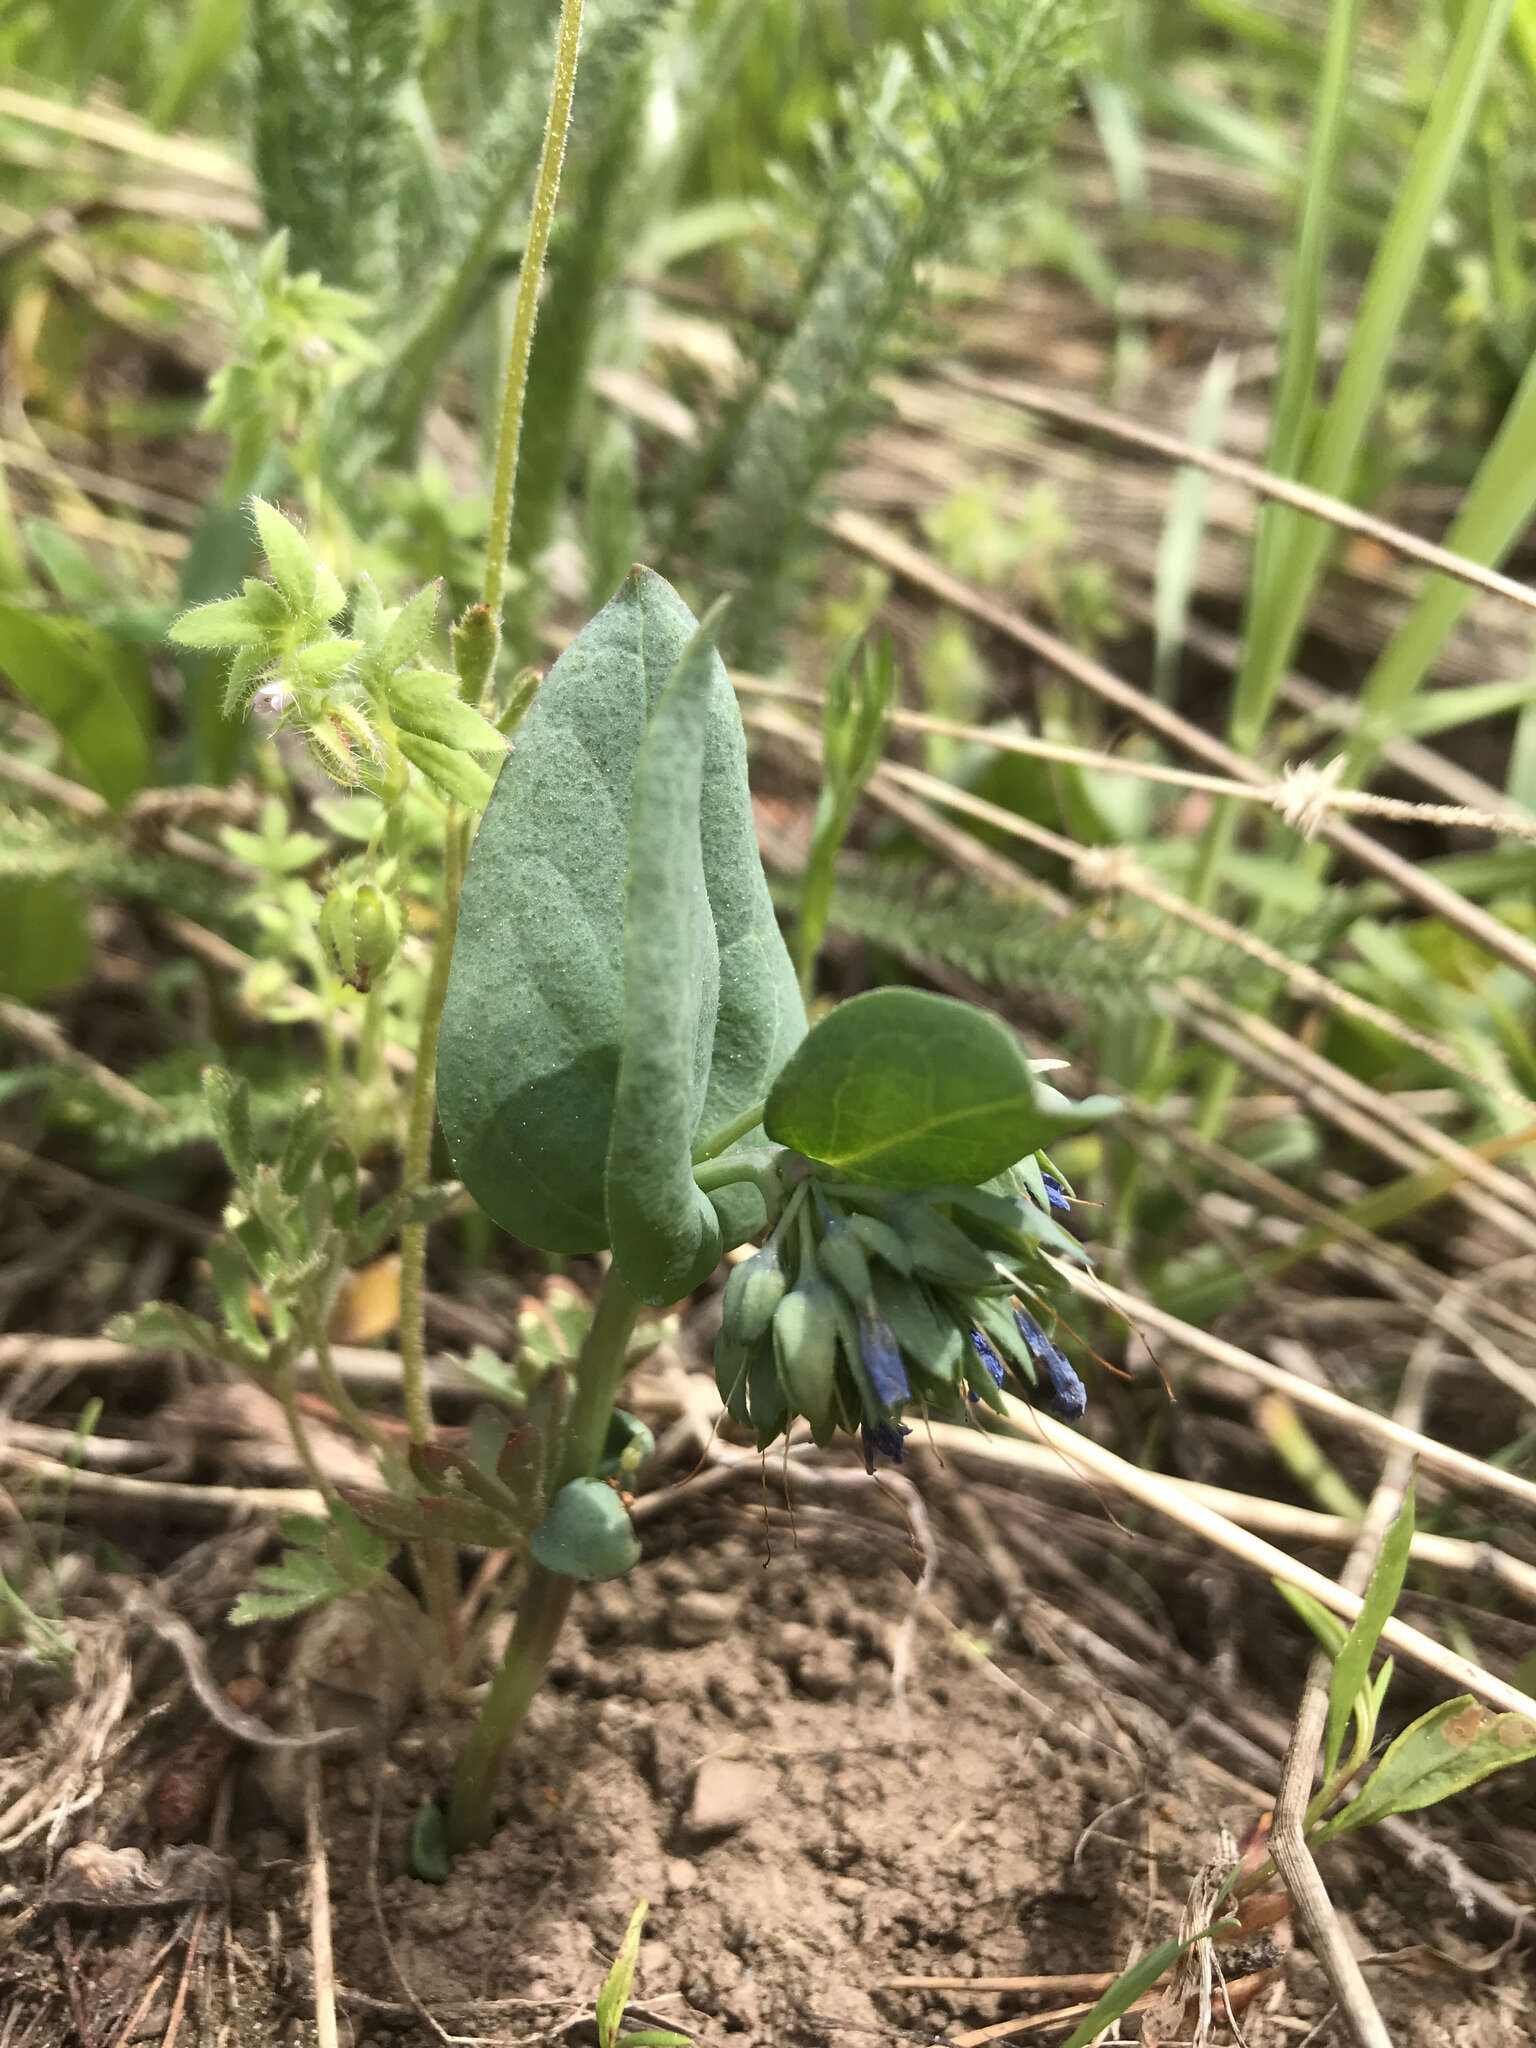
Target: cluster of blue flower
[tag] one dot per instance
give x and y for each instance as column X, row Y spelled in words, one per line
column 865, row 1303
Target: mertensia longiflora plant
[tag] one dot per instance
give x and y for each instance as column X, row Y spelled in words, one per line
column 625, row 1067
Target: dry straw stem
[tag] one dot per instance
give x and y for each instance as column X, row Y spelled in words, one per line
column 892, row 551
column 165, row 1494
column 1300, row 797
column 1153, row 1491
column 1482, row 1561
column 1451, row 1464
column 114, row 130
column 1338, row 512
column 1352, row 1104
column 1117, row 869
column 44, row 1035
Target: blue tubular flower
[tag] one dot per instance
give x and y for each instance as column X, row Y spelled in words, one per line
column 1056, row 1195
column 882, row 1360
column 1069, row 1397
column 988, row 1357
column 886, row 1438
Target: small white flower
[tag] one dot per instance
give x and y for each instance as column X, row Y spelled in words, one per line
column 271, row 699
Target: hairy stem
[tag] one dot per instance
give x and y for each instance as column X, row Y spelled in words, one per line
column 728, row 1134
column 418, row 1139
column 526, row 307
column 546, row 1595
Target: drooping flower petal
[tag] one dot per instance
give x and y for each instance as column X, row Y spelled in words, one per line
column 1069, row 1397
column 882, row 1360
column 886, row 1439
column 988, row 1357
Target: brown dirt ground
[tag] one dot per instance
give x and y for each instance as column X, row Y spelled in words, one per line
column 1036, row 1822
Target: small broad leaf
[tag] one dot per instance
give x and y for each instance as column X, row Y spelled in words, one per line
column 614, row 1996
column 457, row 774
column 904, row 1090
column 411, row 628
column 288, row 553
column 665, row 1234
column 427, row 702
column 164, row 1326
column 434, row 1518
column 1352, row 1662
column 228, row 1101
column 299, row 1579
column 227, row 622
column 1445, row 1751
column 93, row 690
column 587, row 1533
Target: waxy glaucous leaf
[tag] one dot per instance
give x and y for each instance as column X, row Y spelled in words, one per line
column 534, row 1031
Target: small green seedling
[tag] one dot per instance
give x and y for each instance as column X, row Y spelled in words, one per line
column 614, row 1996
column 1445, row 1751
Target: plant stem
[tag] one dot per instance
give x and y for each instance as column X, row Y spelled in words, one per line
column 285, row 1388
column 546, row 1596
column 526, row 308
column 727, row 1135
column 418, row 1140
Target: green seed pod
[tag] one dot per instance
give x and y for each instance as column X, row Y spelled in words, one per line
column 359, row 928
column 805, row 1327
column 841, row 1257
column 753, row 1292
column 587, row 1534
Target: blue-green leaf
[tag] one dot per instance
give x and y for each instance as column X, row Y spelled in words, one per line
column 528, row 1061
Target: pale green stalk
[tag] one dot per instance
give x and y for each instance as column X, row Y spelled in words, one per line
column 525, row 309
column 546, row 1596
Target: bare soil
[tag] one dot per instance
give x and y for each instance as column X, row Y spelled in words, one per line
column 725, row 1735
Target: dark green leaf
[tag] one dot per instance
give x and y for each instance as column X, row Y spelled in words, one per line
column 431, row 1858
column 905, row 1089
column 89, row 687
column 529, row 1054
column 1352, row 1663
column 45, row 942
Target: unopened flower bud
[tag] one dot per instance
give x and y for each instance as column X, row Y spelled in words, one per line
column 360, row 931
column 753, row 1292
column 271, row 700
column 805, row 1348
column 841, row 1257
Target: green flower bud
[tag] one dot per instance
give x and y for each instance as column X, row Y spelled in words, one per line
column 753, row 1292
column 587, row 1534
column 805, row 1326
column 360, row 930
column 841, row 1257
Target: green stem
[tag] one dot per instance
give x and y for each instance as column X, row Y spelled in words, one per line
column 357, row 1419
column 727, row 1135
column 546, row 1596
column 285, row 1387
column 418, row 1139
column 370, row 1037
column 526, row 308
